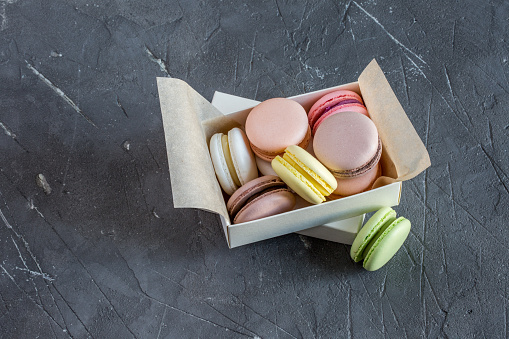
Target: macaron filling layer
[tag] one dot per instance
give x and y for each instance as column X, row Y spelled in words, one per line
column 343, row 102
column 359, row 253
column 299, row 173
column 262, row 153
column 351, row 173
column 220, row 164
column 265, row 191
column 229, row 161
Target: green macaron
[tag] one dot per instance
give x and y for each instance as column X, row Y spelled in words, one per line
column 380, row 238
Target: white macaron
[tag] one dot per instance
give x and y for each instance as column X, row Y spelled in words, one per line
column 233, row 160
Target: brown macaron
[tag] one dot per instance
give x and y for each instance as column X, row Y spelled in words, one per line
column 260, row 198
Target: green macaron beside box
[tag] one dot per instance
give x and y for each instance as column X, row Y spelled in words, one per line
column 189, row 121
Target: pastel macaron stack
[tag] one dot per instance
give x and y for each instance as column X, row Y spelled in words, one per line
column 379, row 239
column 233, row 160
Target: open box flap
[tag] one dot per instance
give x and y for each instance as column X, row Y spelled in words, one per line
column 193, row 180
column 405, row 155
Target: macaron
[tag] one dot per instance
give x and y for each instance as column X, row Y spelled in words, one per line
column 275, row 124
column 304, row 174
column 349, row 146
column 264, row 167
column 333, row 103
column 233, row 160
column 260, row 198
column 379, row 239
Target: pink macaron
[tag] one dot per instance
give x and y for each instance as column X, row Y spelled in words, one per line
column 333, row 103
column 260, row 198
column 349, row 146
column 275, row 124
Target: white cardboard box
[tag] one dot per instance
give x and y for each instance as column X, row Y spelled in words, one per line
column 343, row 231
column 189, row 117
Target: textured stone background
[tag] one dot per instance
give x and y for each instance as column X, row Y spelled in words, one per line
column 105, row 255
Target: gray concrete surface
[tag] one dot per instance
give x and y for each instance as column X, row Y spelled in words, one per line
column 90, row 245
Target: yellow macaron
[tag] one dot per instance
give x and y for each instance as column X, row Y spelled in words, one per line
column 304, row 174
